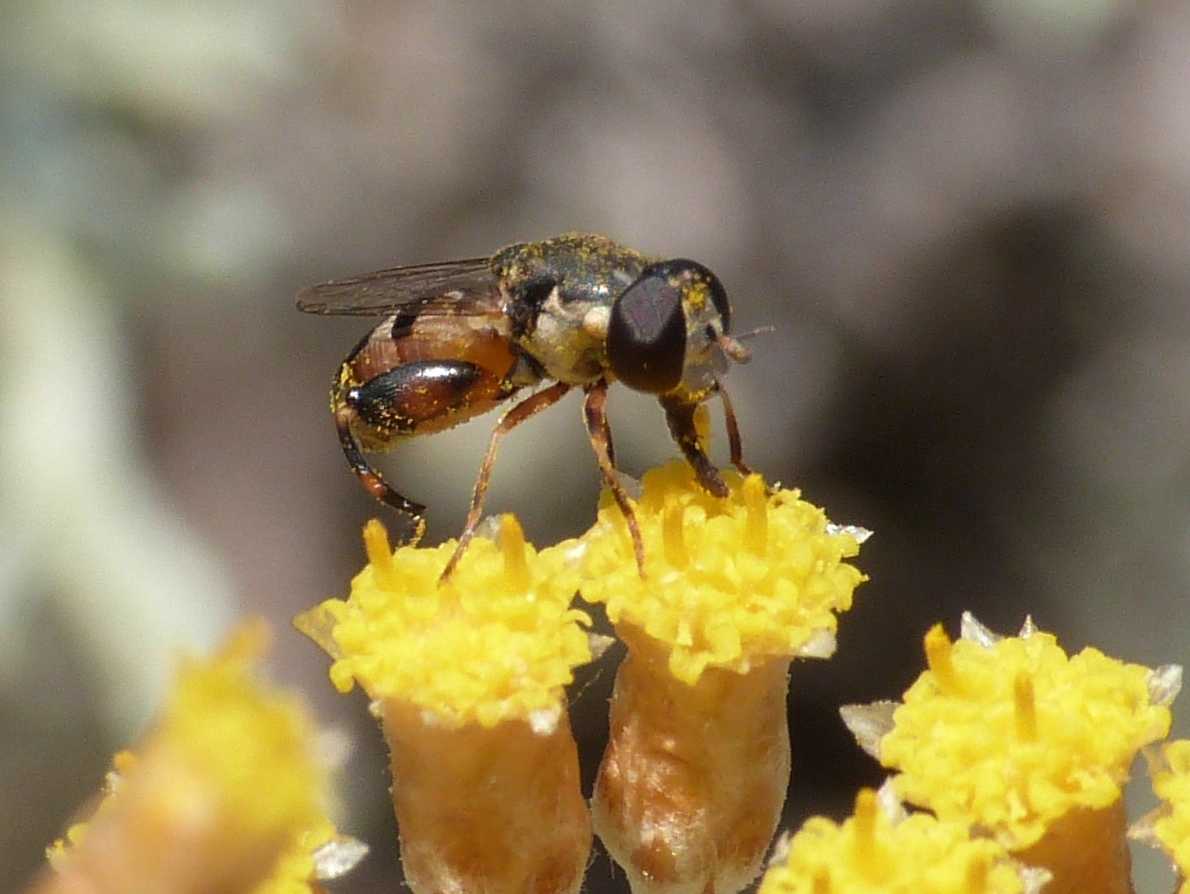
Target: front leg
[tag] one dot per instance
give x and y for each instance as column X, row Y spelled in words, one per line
column 680, row 416
column 598, row 430
column 733, row 433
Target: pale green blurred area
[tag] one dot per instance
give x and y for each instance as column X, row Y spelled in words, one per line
column 967, row 220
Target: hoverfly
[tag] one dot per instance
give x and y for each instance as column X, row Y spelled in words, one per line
column 459, row 338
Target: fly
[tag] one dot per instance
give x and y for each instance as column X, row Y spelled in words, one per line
column 459, row 338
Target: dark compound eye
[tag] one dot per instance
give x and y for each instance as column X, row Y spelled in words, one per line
column 646, row 337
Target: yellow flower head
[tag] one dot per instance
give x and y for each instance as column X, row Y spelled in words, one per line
column 1011, row 733
column 498, row 640
column 730, row 582
column 1172, row 784
column 227, row 755
column 872, row 854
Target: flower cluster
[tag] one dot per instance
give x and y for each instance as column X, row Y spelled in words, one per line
column 1018, row 751
column 467, row 676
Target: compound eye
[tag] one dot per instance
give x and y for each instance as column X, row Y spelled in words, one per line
column 646, row 336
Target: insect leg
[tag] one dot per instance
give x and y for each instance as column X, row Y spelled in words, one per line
column 598, row 430
column 530, row 406
column 733, row 433
column 372, row 480
column 680, row 416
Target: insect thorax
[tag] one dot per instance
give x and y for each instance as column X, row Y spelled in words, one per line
column 562, row 290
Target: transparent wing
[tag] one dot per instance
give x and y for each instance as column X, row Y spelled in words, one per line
column 451, row 288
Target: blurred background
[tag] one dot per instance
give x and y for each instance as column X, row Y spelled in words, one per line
column 968, row 220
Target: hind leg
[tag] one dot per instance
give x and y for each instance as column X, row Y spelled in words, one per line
column 526, row 409
column 373, row 482
column 420, row 397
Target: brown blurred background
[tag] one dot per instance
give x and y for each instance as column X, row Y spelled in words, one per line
column 968, row 220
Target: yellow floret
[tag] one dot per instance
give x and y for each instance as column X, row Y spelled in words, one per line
column 496, row 641
column 1172, row 785
column 730, row 581
column 1013, row 735
column 870, row 854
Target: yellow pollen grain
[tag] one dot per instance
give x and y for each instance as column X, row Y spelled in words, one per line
column 696, row 294
column 872, row 854
column 497, row 640
column 732, row 583
column 985, row 753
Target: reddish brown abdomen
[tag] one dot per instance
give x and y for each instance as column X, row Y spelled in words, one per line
column 423, row 376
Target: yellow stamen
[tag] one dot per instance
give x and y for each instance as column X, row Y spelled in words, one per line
column 756, row 529
column 512, row 545
column 1025, row 707
column 867, row 850
column 380, row 553
column 822, row 881
column 938, row 656
column 671, row 534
